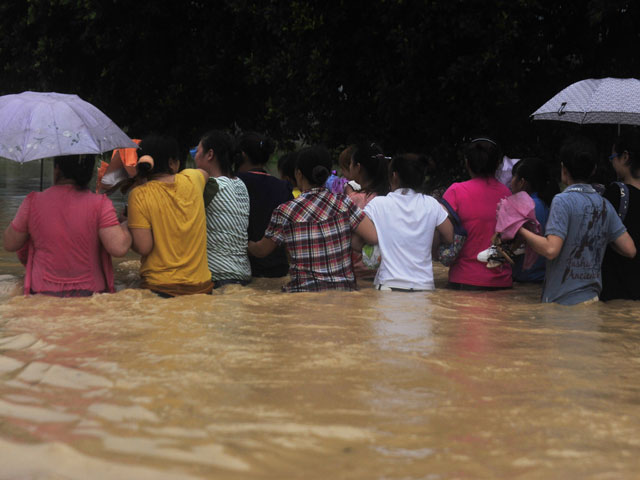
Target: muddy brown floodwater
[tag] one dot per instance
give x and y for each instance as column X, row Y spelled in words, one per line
column 251, row 383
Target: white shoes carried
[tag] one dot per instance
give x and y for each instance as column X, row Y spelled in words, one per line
column 485, row 255
column 492, row 257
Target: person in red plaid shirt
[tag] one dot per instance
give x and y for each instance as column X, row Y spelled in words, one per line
column 317, row 229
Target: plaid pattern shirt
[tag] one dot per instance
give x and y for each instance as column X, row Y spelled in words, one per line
column 316, row 228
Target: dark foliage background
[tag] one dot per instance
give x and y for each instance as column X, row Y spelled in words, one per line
column 412, row 75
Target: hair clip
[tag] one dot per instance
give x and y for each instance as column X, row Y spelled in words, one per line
column 146, row 159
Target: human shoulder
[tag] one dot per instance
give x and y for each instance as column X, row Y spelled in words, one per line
column 193, row 175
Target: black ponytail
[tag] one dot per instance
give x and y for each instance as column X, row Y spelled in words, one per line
column 257, row 147
column 375, row 167
column 78, row 168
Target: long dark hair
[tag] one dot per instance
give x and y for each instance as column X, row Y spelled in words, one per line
column 315, row 164
column 536, row 173
column 375, row 166
column 78, row 168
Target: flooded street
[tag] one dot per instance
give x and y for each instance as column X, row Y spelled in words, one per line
column 253, row 383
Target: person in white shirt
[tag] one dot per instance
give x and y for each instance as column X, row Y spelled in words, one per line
column 406, row 221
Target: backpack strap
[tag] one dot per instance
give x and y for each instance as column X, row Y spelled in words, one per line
column 455, row 219
column 623, row 206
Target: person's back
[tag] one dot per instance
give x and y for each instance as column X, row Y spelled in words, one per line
column 175, row 214
column 227, row 224
column 406, row 221
column 475, row 202
column 531, row 175
column 316, row 228
column 581, row 223
column 587, row 223
column 63, row 224
column 66, row 234
column 620, row 275
column 266, row 192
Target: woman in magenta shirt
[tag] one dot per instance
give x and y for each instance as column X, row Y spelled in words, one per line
column 475, row 201
column 66, row 234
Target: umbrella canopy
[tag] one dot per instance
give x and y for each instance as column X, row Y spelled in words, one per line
column 596, row 100
column 36, row 125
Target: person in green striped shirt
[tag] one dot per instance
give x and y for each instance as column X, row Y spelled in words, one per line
column 227, row 211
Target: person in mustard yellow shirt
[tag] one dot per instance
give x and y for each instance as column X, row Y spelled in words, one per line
column 167, row 221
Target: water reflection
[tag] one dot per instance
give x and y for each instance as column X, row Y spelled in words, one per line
column 253, row 383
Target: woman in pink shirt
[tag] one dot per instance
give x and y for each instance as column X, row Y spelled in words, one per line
column 475, row 202
column 66, row 234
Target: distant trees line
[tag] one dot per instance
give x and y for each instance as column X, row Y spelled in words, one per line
column 412, row 75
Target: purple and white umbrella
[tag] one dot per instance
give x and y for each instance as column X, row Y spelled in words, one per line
column 35, row 125
column 597, row 100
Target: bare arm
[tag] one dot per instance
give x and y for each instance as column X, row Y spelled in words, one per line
column 549, row 246
column 142, row 240
column 262, row 247
column 445, row 230
column 367, row 232
column 624, row 245
column 14, row 240
column 116, row 239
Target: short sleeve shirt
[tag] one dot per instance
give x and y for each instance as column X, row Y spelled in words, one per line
column 175, row 214
column 406, row 222
column 587, row 223
column 63, row 224
column 475, row 202
column 316, row 228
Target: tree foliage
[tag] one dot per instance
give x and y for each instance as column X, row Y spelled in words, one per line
column 413, row 75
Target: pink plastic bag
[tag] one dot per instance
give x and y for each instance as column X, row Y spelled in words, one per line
column 513, row 213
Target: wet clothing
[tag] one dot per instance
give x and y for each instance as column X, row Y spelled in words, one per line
column 475, row 202
column 316, row 228
column 406, row 222
column 266, row 192
column 227, row 224
column 587, row 223
column 64, row 256
column 174, row 212
column 621, row 275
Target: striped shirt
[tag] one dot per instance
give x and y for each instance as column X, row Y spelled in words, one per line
column 316, row 228
column 227, row 223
